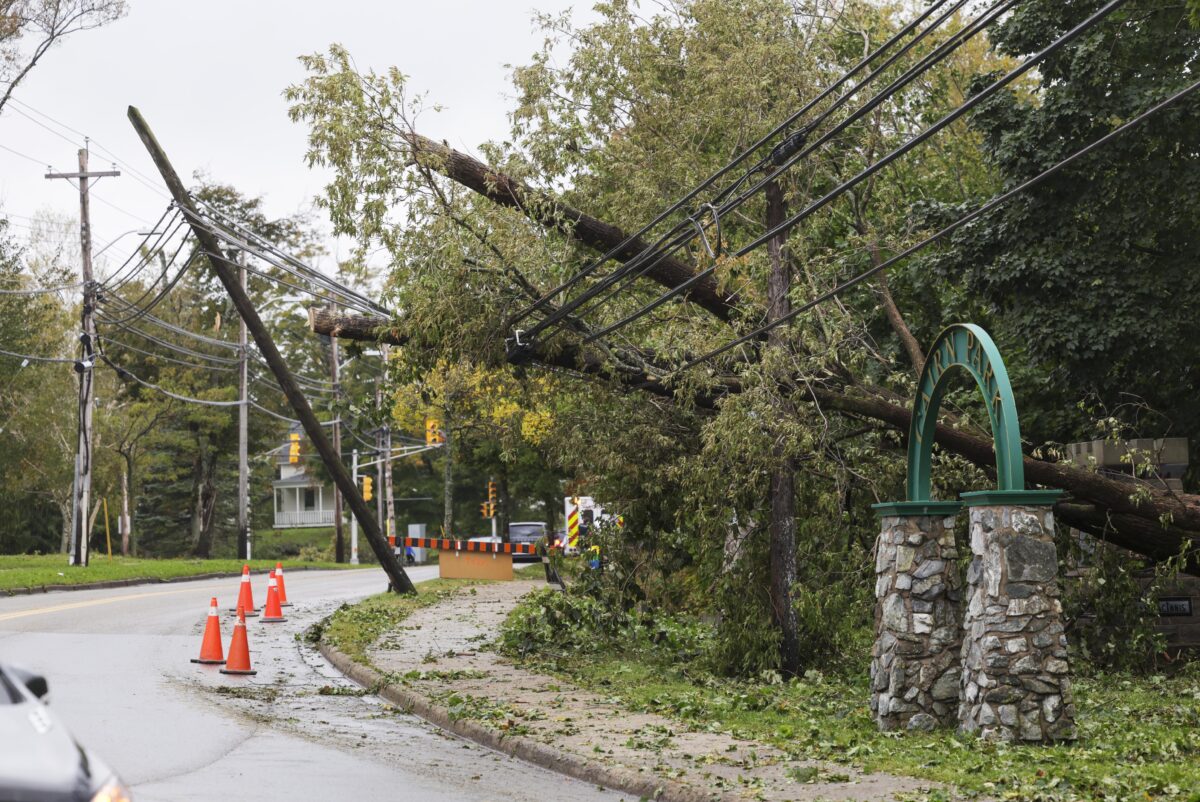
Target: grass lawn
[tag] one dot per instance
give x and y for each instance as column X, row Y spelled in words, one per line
column 1139, row 737
column 23, row 570
column 354, row 627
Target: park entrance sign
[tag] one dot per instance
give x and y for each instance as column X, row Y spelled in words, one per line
column 991, row 660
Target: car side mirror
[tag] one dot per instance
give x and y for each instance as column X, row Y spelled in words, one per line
column 36, row 683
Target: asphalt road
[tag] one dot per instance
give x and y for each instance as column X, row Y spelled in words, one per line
column 120, row 678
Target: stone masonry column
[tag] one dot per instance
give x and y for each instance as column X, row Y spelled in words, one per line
column 1015, row 681
column 915, row 661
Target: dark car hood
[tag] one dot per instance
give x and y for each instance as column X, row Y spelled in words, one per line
column 39, row 760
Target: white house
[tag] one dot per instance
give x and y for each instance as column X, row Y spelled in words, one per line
column 300, row 500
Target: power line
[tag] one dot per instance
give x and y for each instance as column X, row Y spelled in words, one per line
column 35, row 358
column 685, row 231
column 15, row 152
column 949, row 229
column 137, row 174
column 731, row 165
column 875, row 167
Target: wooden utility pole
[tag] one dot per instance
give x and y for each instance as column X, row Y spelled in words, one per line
column 379, row 517
column 385, row 464
column 224, row 269
column 782, row 523
column 85, row 367
column 353, row 520
column 243, row 509
column 339, row 542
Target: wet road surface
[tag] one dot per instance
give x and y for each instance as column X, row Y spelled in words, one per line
column 120, row 678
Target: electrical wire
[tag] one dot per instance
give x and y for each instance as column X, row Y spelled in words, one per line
column 42, row 290
column 124, row 373
column 949, row 229
column 888, row 44
column 684, row 232
column 296, row 266
column 35, row 358
column 875, row 167
column 15, row 152
column 136, row 174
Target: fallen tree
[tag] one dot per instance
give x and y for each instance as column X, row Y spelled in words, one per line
column 1151, row 522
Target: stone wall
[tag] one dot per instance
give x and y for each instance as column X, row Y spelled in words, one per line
column 915, row 660
column 1015, row 683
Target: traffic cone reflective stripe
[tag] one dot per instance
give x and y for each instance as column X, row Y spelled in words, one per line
column 272, row 613
column 245, row 594
column 239, row 648
column 279, row 583
column 211, row 652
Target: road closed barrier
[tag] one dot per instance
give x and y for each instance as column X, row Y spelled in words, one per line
column 472, row 559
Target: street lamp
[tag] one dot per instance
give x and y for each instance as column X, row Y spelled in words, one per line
column 113, row 241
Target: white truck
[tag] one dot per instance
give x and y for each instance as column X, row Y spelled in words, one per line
column 581, row 513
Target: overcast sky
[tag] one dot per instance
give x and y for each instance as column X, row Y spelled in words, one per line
column 209, row 77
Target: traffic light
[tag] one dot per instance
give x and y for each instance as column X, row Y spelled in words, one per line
column 433, row 432
column 367, row 494
column 492, row 492
column 294, row 448
column 487, row 509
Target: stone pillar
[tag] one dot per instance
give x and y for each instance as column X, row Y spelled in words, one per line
column 1015, row 681
column 914, row 663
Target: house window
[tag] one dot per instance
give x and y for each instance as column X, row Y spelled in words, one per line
column 310, row 499
column 278, row 501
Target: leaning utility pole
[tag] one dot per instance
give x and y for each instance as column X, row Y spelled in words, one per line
column 400, row 581
column 243, row 509
column 84, row 367
column 339, row 551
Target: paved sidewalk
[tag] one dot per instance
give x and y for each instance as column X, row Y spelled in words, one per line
column 442, row 657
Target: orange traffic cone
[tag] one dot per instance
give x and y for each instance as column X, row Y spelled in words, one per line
column 283, row 602
column 239, row 648
column 272, row 613
column 210, row 648
column 245, row 600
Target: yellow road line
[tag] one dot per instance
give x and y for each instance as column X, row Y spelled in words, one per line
column 58, row 608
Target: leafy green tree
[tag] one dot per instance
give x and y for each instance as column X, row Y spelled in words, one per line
column 1091, row 276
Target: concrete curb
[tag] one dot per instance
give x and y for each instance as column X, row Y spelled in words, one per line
column 518, row 746
column 149, row 580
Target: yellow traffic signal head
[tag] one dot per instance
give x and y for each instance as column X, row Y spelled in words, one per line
column 294, row 447
column 433, row 432
column 367, row 495
column 492, row 492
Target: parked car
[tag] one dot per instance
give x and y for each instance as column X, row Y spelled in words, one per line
column 526, row 533
column 40, row 761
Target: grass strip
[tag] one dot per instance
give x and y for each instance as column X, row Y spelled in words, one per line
column 1139, row 737
column 51, row 570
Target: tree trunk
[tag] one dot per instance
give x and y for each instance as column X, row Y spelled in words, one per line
column 204, row 500
column 64, row 509
column 552, row 506
column 503, row 507
column 448, row 478
column 782, row 525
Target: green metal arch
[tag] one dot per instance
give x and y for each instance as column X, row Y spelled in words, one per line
column 968, row 346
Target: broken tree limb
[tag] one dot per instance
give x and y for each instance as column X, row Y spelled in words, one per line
column 553, row 213
column 1159, row 526
column 227, row 272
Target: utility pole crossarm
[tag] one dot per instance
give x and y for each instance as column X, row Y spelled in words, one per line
column 86, row 174
column 226, row 271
